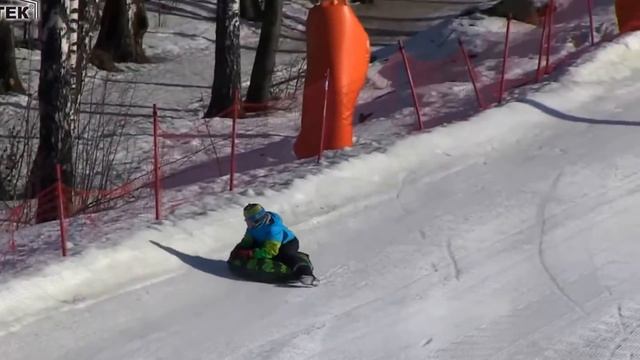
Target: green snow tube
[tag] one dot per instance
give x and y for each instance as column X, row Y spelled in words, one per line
column 264, row 270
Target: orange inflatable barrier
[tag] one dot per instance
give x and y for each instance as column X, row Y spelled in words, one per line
column 337, row 43
column 628, row 14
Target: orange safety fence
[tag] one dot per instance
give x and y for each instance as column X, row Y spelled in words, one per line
column 89, row 206
column 457, row 62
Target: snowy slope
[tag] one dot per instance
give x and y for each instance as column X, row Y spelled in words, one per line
column 511, row 236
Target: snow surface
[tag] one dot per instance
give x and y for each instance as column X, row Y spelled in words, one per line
column 510, row 236
column 518, row 243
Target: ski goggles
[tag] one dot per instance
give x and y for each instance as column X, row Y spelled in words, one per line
column 256, row 219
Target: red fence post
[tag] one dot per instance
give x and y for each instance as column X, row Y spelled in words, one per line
column 542, row 43
column 156, row 162
column 63, row 233
column 232, row 165
column 591, row 26
column 551, row 10
column 504, row 60
column 324, row 116
column 413, row 89
column 472, row 75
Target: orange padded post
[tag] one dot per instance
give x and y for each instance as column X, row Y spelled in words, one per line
column 337, row 42
column 628, row 14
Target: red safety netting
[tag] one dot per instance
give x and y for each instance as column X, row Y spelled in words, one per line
column 423, row 71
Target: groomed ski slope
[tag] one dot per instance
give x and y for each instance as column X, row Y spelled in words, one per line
column 511, row 236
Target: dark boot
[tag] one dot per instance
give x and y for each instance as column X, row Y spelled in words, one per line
column 298, row 263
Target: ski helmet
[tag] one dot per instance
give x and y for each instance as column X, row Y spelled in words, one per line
column 254, row 214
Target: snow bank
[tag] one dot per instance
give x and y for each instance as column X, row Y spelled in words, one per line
column 615, row 60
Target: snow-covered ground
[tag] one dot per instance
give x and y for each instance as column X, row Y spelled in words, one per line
column 510, row 236
column 517, row 243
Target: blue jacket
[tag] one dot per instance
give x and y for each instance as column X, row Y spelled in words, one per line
column 267, row 238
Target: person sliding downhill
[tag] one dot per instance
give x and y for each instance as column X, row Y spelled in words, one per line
column 267, row 237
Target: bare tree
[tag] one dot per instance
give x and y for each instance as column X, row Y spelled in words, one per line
column 123, row 25
column 9, row 80
column 265, row 61
column 288, row 80
column 58, row 103
column 226, row 74
column 87, row 23
column 16, row 153
column 3, row 190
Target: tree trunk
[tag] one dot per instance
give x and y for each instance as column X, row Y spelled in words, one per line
column 123, row 25
column 265, row 62
column 57, row 105
column 82, row 41
column 226, row 74
column 4, row 194
column 251, row 9
column 9, row 80
column 88, row 23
